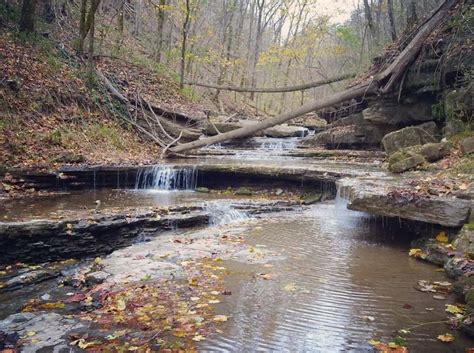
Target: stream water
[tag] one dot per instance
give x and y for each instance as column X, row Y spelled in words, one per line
column 339, row 278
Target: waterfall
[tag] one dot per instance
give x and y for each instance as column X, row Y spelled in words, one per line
column 346, row 216
column 165, row 177
column 220, row 213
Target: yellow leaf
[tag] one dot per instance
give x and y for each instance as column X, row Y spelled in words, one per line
column 198, row 338
column 97, row 260
column 442, row 237
column 374, row 342
column 31, row 333
column 220, row 318
column 214, row 301
column 121, row 305
column 453, row 309
column 447, row 337
column 69, row 226
column 417, row 253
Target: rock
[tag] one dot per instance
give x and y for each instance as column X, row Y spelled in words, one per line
column 243, row 192
column 464, row 242
column 467, row 145
column 406, row 137
column 28, row 278
column 312, row 122
column 202, row 190
column 407, row 163
column 70, row 157
column 393, row 113
column 280, row 131
column 378, row 196
column 434, row 151
column 210, row 129
column 354, row 119
column 96, row 277
column 279, row 192
column 453, row 127
column 312, row 198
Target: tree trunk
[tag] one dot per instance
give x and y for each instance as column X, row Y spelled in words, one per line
column 27, row 18
column 380, row 83
column 370, row 21
column 301, row 87
column 412, row 17
column 391, row 18
column 161, row 22
column 183, row 44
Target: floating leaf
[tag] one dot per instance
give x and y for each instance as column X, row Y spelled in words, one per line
column 121, row 305
column 214, row 301
column 454, row 309
column 417, row 253
column 97, row 260
column 199, row 338
column 447, row 337
column 31, row 333
column 290, row 287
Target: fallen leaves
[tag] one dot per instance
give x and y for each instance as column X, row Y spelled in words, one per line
column 220, row 318
column 446, row 338
column 441, row 237
column 417, row 254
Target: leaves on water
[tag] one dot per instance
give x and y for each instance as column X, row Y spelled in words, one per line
column 290, row 287
column 219, row 318
column 454, row 309
column 446, row 338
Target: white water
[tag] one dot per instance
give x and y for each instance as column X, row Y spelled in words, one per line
column 165, row 177
column 220, row 213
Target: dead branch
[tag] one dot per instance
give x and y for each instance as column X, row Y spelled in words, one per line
column 301, row 87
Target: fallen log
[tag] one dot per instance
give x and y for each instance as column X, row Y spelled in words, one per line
column 380, row 83
column 301, row 87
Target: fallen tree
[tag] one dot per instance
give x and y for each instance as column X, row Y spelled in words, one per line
column 301, row 87
column 380, row 83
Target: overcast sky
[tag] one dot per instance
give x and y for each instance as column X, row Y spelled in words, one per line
column 339, row 10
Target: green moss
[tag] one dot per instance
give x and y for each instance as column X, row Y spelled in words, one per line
column 398, row 157
column 469, row 226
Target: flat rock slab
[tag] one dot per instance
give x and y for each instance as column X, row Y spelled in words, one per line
column 379, row 196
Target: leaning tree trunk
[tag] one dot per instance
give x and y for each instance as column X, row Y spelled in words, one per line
column 382, row 82
column 27, row 18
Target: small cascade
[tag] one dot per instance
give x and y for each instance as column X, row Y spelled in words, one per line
column 346, row 216
column 165, row 177
column 220, row 213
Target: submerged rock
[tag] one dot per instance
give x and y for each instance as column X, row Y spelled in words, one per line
column 282, row 131
column 312, row 198
column 243, row 192
column 202, row 190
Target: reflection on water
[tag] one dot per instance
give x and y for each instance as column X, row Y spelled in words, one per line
column 335, row 275
column 42, row 207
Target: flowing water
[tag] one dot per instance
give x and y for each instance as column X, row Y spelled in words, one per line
column 343, row 281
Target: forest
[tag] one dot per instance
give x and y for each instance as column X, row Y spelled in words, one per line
column 236, row 175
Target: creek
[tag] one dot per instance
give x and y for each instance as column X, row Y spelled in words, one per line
column 315, row 278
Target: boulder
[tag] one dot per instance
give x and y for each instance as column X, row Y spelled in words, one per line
column 407, row 163
column 280, row 131
column 393, row 113
column 406, row 137
column 354, row 119
column 467, row 145
column 464, row 243
column 343, row 136
column 242, row 191
column 453, row 127
column 312, row 122
column 434, row 151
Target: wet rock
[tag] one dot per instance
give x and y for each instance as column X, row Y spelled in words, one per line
column 376, row 196
column 202, row 190
column 312, row 198
column 406, row 137
column 96, row 277
column 282, row 131
column 243, row 192
column 410, row 157
column 354, row 119
column 28, row 278
column 70, row 157
column 50, row 331
column 467, row 145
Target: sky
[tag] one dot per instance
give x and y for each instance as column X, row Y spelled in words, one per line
column 338, row 10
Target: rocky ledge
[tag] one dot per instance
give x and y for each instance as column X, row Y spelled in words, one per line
column 95, row 234
column 394, row 197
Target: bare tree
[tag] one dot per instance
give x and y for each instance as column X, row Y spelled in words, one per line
column 28, row 16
